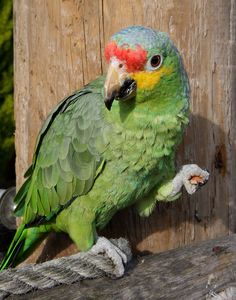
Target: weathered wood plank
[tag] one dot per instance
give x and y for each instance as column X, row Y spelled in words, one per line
column 58, row 48
column 189, row 273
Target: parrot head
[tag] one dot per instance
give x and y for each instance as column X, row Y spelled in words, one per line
column 144, row 64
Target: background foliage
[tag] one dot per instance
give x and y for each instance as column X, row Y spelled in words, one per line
column 7, row 152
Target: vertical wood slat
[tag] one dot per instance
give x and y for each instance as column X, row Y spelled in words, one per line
column 59, row 47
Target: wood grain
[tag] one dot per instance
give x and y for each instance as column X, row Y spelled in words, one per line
column 59, row 47
column 191, row 273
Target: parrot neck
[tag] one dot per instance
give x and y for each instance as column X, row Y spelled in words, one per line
column 148, row 128
column 128, row 112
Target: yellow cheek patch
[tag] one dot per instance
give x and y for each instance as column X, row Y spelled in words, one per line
column 148, row 79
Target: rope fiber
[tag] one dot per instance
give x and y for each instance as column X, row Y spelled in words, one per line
column 64, row 270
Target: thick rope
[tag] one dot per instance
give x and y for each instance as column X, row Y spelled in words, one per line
column 65, row 270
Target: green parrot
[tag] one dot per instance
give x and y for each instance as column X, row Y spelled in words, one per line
column 107, row 146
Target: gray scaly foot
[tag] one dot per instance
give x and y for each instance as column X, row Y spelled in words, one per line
column 107, row 248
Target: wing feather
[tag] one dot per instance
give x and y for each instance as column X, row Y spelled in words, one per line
column 67, row 155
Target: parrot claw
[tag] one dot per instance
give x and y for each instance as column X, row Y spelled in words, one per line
column 119, row 259
column 193, row 177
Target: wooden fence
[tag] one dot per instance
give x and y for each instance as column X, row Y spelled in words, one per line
column 59, row 47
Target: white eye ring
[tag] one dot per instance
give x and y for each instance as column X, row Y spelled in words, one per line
column 154, row 62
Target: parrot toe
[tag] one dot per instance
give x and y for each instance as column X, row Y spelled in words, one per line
column 118, row 258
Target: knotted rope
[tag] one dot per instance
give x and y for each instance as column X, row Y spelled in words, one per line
column 65, row 270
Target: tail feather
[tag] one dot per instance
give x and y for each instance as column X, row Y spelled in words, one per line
column 20, row 198
column 13, row 249
column 22, row 245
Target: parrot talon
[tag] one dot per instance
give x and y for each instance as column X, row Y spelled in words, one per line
column 104, row 247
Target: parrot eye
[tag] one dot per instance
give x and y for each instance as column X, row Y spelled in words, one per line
column 154, row 62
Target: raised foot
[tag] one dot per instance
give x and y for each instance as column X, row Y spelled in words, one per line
column 115, row 254
column 193, row 177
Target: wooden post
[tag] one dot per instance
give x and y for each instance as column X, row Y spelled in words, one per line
column 59, row 47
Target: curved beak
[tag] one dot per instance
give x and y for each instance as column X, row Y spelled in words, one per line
column 117, row 85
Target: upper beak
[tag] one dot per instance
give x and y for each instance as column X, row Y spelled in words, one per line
column 115, row 79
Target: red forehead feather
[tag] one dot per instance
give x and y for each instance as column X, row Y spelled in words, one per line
column 135, row 59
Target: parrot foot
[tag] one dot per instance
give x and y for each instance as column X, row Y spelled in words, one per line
column 105, row 247
column 193, row 177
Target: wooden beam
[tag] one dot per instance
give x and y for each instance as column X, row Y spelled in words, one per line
column 193, row 272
